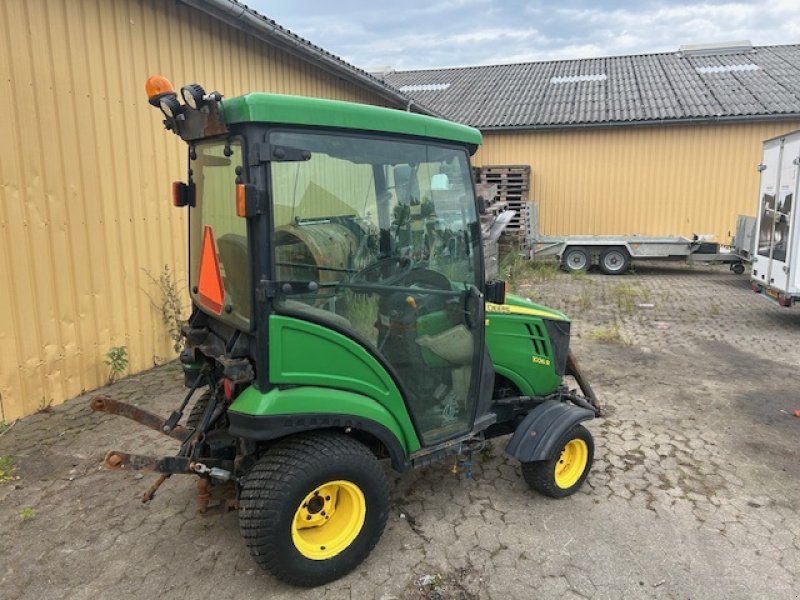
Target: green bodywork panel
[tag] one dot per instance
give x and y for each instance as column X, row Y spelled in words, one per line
column 307, row 354
column 319, row 400
column 299, row 110
column 336, row 375
column 519, row 345
column 518, row 302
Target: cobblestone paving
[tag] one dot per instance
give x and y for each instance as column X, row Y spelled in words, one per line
column 694, row 492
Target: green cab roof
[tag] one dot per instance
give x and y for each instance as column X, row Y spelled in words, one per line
column 300, row 110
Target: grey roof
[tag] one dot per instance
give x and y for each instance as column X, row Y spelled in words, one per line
column 242, row 17
column 758, row 82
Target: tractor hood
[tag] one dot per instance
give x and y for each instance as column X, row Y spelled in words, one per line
column 517, row 305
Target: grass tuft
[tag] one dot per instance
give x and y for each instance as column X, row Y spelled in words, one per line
column 628, row 295
column 8, row 472
column 516, row 268
column 609, row 334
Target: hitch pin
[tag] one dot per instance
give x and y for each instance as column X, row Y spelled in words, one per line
column 213, row 472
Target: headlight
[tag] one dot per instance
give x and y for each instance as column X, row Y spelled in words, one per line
column 193, row 96
column 170, row 106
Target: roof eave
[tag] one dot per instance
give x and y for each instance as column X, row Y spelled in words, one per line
column 609, row 124
column 249, row 21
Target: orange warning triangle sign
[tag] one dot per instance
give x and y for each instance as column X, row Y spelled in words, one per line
column 209, row 284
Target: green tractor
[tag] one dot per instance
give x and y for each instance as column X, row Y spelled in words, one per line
column 340, row 315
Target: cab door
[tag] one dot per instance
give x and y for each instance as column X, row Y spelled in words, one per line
column 387, row 229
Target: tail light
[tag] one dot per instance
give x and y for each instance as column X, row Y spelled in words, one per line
column 228, row 387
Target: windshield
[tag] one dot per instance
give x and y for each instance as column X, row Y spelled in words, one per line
column 361, row 200
column 218, row 233
column 388, row 230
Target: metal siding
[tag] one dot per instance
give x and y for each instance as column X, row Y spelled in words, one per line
column 667, row 180
column 85, row 168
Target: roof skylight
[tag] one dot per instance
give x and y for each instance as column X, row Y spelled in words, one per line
column 574, row 78
column 728, row 68
column 424, row 87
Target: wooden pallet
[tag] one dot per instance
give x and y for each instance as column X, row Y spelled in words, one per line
column 512, row 184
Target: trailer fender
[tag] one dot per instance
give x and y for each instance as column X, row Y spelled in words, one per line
column 536, row 436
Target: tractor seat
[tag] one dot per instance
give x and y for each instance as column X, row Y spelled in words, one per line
column 319, row 314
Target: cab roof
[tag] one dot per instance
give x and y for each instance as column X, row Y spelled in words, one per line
column 300, row 110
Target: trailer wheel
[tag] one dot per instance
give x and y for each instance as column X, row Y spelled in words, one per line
column 313, row 507
column 615, row 261
column 564, row 473
column 576, row 259
column 737, row 268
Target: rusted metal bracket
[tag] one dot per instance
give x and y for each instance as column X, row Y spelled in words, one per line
column 151, row 491
column 583, row 384
column 141, row 416
column 167, row 465
column 206, row 507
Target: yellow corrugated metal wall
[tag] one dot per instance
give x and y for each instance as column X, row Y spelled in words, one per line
column 667, row 180
column 85, row 168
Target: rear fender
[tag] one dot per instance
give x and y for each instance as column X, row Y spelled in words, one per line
column 536, row 437
column 281, row 412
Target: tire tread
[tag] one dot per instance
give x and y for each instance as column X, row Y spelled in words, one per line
column 540, row 474
column 269, row 483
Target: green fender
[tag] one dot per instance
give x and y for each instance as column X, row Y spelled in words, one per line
column 281, row 412
column 305, row 353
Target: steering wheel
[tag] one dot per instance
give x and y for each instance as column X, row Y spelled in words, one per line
column 386, row 271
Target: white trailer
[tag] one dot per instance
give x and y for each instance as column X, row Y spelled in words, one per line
column 614, row 253
column 776, row 268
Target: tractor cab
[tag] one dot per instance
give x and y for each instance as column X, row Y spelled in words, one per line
column 341, row 315
column 367, row 240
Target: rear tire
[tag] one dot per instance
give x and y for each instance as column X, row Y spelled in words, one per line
column 313, row 507
column 199, row 408
column 737, row 268
column 564, row 473
column 576, row 259
column 615, row 261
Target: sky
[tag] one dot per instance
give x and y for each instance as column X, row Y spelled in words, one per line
column 420, row 34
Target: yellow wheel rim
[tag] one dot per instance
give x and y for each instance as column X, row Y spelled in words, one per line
column 572, row 463
column 328, row 519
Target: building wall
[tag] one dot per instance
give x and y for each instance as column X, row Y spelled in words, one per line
column 85, row 168
column 665, row 180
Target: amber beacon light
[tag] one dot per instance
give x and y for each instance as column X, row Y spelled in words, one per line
column 157, row 87
column 161, row 93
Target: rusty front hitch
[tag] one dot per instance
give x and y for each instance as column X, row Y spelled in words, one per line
column 586, row 389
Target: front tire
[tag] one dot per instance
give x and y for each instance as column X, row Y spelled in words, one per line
column 564, row 473
column 313, row 507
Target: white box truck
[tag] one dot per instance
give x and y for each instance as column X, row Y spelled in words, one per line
column 776, row 268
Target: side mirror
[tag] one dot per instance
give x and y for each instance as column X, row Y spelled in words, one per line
column 481, row 205
column 495, row 291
